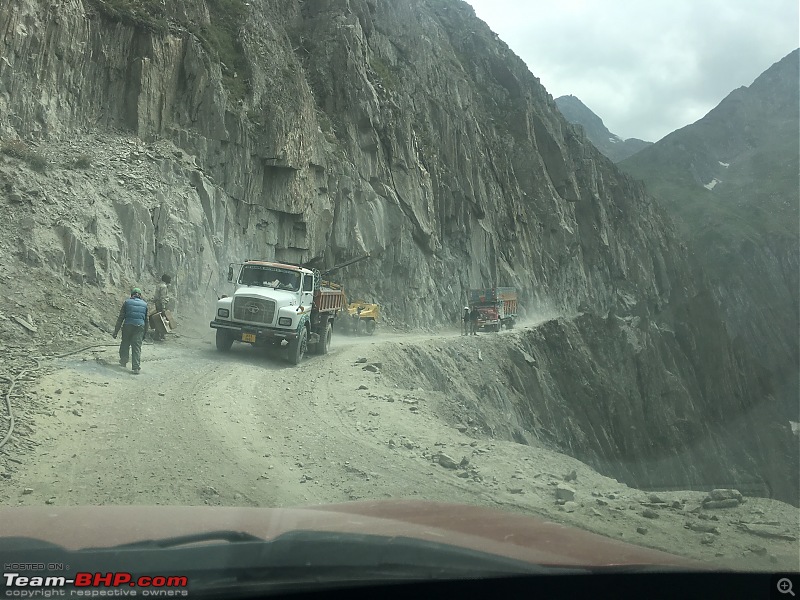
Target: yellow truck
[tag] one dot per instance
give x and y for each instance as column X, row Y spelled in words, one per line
column 362, row 318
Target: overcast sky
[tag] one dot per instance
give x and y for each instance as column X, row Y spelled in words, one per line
column 646, row 67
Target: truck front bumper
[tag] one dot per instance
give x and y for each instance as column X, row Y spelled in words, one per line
column 254, row 334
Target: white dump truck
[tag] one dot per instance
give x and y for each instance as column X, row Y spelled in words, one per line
column 279, row 304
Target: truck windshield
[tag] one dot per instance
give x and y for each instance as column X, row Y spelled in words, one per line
column 260, row 275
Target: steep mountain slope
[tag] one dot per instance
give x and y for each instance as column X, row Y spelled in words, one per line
column 731, row 180
column 315, row 131
column 613, row 146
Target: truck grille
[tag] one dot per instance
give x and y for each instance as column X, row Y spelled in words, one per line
column 254, row 310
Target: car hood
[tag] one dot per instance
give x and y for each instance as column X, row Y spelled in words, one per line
column 515, row 536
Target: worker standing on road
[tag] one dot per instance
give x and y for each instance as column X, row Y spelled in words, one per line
column 162, row 298
column 473, row 319
column 162, row 301
column 133, row 321
column 358, row 319
column 465, row 319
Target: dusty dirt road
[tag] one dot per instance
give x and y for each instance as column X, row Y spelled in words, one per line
column 247, row 429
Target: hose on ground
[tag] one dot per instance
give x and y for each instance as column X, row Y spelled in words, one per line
column 13, row 382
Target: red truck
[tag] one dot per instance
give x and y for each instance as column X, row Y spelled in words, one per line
column 497, row 307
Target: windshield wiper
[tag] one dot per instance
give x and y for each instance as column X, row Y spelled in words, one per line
column 225, row 535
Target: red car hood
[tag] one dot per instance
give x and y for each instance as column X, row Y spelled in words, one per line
column 492, row 531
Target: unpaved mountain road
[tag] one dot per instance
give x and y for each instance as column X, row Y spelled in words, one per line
column 247, row 429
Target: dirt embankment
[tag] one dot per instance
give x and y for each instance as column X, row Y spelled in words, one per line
column 200, row 427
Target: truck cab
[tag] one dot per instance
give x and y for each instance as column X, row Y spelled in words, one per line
column 271, row 304
column 488, row 317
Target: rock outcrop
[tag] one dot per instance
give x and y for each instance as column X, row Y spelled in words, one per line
column 623, row 395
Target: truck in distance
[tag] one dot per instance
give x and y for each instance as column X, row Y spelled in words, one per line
column 497, row 307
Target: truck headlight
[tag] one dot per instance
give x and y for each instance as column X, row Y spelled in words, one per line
column 223, row 312
column 285, row 321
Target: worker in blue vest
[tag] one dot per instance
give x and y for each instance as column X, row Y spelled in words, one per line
column 133, row 321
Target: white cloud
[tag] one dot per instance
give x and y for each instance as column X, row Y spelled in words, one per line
column 646, row 68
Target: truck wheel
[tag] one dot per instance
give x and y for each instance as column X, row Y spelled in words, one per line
column 369, row 326
column 297, row 347
column 325, row 340
column 510, row 324
column 224, row 340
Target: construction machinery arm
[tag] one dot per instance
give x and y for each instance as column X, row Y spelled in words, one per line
column 346, row 263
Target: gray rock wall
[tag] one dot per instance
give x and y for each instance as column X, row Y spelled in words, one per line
column 432, row 148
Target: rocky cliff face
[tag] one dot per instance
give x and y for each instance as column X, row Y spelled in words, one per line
column 406, row 130
column 446, row 160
